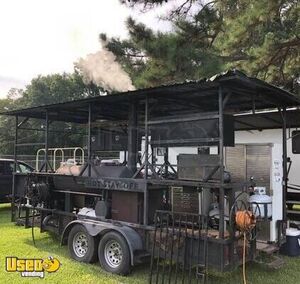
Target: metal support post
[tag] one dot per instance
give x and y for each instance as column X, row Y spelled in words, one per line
column 46, row 141
column 284, row 165
column 89, row 144
column 15, row 170
column 221, row 144
column 146, row 163
column 132, row 137
column 166, row 161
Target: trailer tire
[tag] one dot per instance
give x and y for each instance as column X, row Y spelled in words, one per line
column 82, row 246
column 114, row 254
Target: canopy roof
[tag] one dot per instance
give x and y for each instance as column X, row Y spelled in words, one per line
column 242, row 94
column 267, row 120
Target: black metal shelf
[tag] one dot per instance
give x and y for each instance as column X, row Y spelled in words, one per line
column 207, row 184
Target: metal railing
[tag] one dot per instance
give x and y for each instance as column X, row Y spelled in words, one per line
column 54, row 152
column 179, row 248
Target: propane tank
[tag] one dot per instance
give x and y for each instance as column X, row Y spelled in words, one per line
column 261, row 203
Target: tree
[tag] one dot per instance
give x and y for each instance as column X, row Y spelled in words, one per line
column 260, row 37
column 41, row 91
column 6, row 125
column 264, row 36
column 57, row 88
column 15, row 93
column 155, row 58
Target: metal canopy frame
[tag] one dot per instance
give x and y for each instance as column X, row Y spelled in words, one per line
column 241, row 93
column 231, row 92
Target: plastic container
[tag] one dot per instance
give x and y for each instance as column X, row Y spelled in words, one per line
column 264, row 202
column 292, row 246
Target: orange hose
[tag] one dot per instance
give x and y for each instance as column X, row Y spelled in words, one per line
column 245, row 220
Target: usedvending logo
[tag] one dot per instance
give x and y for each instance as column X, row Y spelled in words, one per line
column 32, row 267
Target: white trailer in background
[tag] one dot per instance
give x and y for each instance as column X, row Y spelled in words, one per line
column 257, row 154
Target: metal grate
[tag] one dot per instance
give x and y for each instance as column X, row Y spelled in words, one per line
column 259, row 164
column 185, row 200
column 179, row 248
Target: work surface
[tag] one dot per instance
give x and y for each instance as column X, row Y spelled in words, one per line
column 16, row 241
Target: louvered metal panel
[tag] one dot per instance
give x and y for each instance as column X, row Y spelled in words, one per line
column 235, row 162
column 259, row 164
column 244, row 161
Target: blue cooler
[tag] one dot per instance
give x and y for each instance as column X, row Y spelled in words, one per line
column 292, row 246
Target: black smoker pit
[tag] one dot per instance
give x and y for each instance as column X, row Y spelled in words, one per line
column 150, row 209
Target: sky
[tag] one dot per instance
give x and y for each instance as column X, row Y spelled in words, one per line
column 40, row 37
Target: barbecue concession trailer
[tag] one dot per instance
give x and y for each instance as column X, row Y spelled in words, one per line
column 133, row 209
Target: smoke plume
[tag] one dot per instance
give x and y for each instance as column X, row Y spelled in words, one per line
column 102, row 69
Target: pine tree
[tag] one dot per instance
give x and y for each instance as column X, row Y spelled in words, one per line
column 155, row 58
column 259, row 37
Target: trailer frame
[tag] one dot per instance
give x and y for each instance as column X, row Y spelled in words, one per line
column 232, row 93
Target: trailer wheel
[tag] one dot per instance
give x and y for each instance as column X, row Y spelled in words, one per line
column 82, row 246
column 113, row 253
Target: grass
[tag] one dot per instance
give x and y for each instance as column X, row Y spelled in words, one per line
column 16, row 241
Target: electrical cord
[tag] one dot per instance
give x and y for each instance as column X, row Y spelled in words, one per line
column 32, row 227
column 245, row 222
column 244, row 259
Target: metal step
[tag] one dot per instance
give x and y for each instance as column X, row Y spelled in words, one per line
column 267, row 248
column 268, row 255
column 293, row 216
column 293, row 212
column 277, row 263
column 292, row 202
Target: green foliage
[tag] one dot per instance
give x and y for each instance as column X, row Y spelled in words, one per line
column 7, row 126
column 149, row 3
column 260, row 37
column 56, row 88
column 263, row 37
column 153, row 59
column 41, row 91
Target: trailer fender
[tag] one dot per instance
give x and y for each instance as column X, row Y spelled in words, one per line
column 99, row 228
